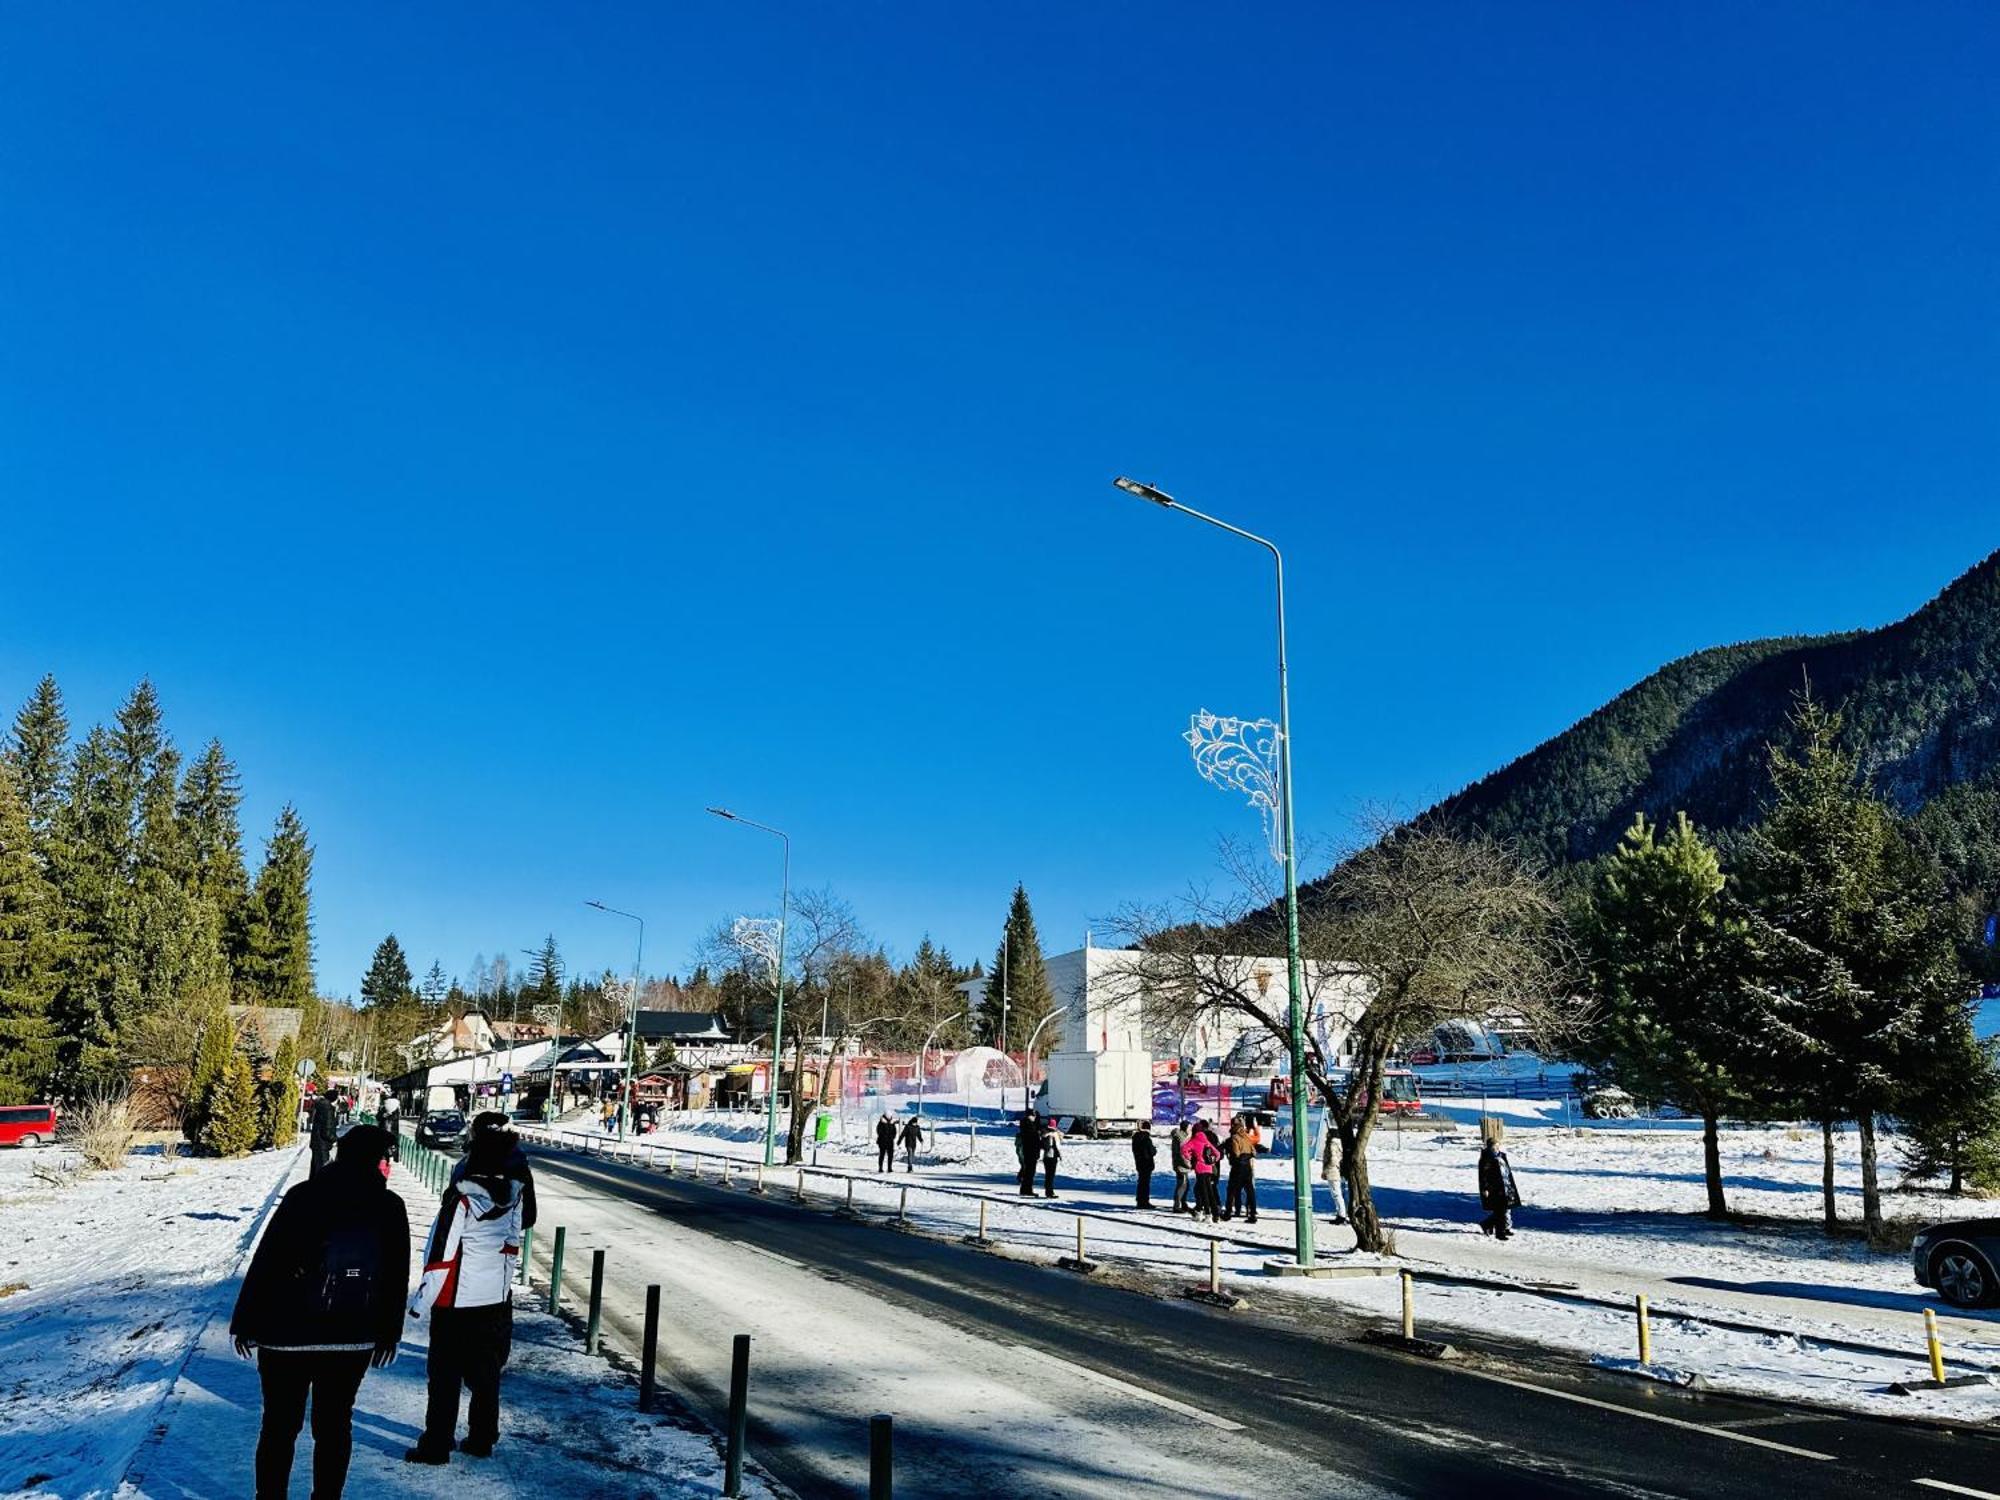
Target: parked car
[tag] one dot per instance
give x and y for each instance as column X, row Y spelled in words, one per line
column 442, row 1130
column 1956, row 1260
column 27, row 1124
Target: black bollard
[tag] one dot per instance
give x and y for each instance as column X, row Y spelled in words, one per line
column 881, row 1457
column 739, row 1415
column 596, row 1302
column 647, row 1358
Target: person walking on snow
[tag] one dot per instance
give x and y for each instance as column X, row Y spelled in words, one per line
column 913, row 1140
column 1497, row 1193
column 885, row 1144
column 1028, row 1151
column 321, row 1302
column 325, row 1132
column 1144, row 1154
column 1177, row 1158
column 389, row 1115
column 468, row 1282
column 1330, row 1170
column 1203, row 1156
column 1244, row 1138
column 1051, row 1154
column 517, row 1162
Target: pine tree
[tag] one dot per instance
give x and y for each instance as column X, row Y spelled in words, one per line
column 544, row 988
column 230, row 1128
column 39, row 754
column 28, row 955
column 1950, row 1113
column 1668, row 963
column 435, row 986
column 88, row 852
column 387, row 981
column 211, row 1057
column 211, row 799
column 279, row 1123
column 1835, row 872
column 1018, row 983
column 277, row 965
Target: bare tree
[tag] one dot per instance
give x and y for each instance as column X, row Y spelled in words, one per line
column 1421, row 927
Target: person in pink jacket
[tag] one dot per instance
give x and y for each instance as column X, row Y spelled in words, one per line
column 1204, row 1156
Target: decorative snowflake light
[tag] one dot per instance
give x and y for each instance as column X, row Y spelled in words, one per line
column 757, row 937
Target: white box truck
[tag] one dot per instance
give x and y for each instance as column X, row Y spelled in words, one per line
column 1102, row 1092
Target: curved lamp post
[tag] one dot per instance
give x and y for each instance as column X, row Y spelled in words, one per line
column 1294, row 968
column 632, row 1011
column 1028, row 1078
column 926, row 1052
column 778, row 1015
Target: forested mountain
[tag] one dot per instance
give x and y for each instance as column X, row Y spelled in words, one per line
column 1921, row 703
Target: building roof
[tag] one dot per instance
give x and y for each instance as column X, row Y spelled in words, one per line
column 682, row 1026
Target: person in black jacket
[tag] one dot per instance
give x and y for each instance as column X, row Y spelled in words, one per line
column 1144, row 1154
column 1028, row 1151
column 913, row 1141
column 325, row 1132
column 1497, row 1193
column 517, row 1169
column 885, row 1144
column 321, row 1302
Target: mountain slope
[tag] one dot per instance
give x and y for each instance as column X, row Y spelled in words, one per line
column 1921, row 698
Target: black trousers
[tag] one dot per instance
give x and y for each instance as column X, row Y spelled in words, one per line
column 1145, row 1189
column 1026, row 1176
column 1048, row 1179
column 1242, row 1189
column 322, row 1153
column 1496, row 1223
column 469, row 1347
column 1205, row 1201
column 331, row 1378
column 885, row 1158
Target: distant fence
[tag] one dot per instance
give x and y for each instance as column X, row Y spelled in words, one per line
column 1475, row 1086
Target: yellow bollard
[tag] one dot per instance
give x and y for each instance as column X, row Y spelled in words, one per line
column 1937, row 1352
column 725, row 1173
column 1645, row 1333
column 801, row 1193
column 1214, row 1268
column 982, row 1218
column 1409, row 1310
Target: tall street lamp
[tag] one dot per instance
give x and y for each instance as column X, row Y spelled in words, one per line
column 1295, row 970
column 778, row 1014
column 632, row 1016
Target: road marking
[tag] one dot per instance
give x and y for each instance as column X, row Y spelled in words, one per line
column 1788, row 1420
column 797, row 1265
column 1208, row 1418
column 1955, row 1489
column 1648, row 1416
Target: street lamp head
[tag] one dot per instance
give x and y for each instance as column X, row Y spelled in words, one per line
column 598, row 904
column 1144, row 491
column 722, row 812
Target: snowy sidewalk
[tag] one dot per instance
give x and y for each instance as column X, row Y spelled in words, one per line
column 569, row 1423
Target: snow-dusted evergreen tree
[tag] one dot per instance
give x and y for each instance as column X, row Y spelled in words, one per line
column 88, row 852
column 38, row 750
column 278, row 959
column 1017, row 972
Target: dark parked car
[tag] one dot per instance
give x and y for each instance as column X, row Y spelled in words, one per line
column 443, row 1130
column 1956, row 1260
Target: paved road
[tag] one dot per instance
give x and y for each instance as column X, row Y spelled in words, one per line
column 1012, row 1377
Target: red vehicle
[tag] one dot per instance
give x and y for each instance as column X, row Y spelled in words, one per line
column 1400, row 1095
column 27, row 1124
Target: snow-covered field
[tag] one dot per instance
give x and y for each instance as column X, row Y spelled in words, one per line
column 117, row 1377
column 1610, row 1213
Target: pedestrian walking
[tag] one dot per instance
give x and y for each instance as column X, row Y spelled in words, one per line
column 518, row 1169
column 885, row 1144
column 469, row 1269
column 1144, row 1153
column 913, row 1140
column 1028, row 1151
column 321, row 1302
column 389, row 1115
column 1177, row 1158
column 1204, row 1155
column 1051, row 1155
column 1244, row 1139
column 1329, row 1165
column 325, row 1132
column 610, row 1120
column 1497, row 1192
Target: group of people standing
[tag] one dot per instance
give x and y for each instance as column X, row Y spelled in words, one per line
column 1038, row 1143
column 887, row 1136
column 328, row 1291
column 1196, row 1154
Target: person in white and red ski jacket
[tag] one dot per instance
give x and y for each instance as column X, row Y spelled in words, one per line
column 467, row 1285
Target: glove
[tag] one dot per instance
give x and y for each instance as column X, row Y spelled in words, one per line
column 383, row 1357
column 245, row 1349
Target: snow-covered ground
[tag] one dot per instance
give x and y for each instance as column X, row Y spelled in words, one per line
column 117, row 1377
column 1610, row 1214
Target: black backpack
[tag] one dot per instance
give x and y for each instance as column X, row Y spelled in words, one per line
column 350, row 1265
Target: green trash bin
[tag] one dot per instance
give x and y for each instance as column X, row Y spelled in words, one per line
column 821, row 1120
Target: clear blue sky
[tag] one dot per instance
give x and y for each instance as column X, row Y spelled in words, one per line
column 512, row 428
